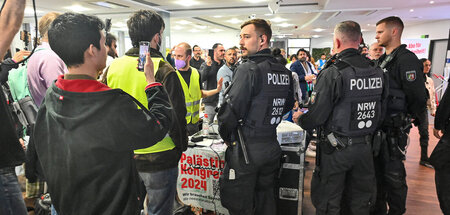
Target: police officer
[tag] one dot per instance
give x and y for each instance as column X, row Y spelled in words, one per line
column 346, row 108
column 260, row 94
column 406, row 101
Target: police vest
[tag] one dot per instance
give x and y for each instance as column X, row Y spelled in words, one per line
column 397, row 98
column 192, row 95
column 267, row 107
column 358, row 111
column 123, row 74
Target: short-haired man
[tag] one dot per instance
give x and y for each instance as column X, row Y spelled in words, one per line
column 44, row 66
column 375, row 51
column 209, row 71
column 196, row 60
column 86, row 132
column 407, row 99
column 305, row 70
column 158, row 163
column 346, row 114
column 227, row 70
column 261, row 93
column 111, row 50
column 190, row 80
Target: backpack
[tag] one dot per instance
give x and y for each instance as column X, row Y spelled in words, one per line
column 23, row 104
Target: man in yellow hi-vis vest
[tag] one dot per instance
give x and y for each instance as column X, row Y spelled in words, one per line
column 157, row 165
column 192, row 87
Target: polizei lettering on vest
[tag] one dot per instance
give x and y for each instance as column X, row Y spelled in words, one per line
column 277, row 79
column 366, row 83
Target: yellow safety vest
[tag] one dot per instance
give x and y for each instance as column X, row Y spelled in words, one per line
column 122, row 73
column 192, row 95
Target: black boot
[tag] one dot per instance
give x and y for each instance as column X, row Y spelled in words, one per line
column 424, row 157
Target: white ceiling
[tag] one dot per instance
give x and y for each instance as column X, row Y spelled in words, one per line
column 295, row 18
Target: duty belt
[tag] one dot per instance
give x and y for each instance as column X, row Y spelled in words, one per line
column 348, row 141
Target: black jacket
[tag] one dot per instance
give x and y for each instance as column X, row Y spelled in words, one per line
column 329, row 89
column 442, row 118
column 167, row 159
column 209, row 75
column 246, row 84
column 401, row 70
column 85, row 143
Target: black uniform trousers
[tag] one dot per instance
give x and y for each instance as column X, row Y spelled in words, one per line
column 350, row 172
column 391, row 175
column 441, row 162
column 251, row 190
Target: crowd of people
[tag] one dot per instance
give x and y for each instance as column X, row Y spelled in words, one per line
column 106, row 138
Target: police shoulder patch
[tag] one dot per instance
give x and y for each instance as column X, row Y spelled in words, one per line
column 411, row 75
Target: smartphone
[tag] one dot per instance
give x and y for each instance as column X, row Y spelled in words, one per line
column 143, row 50
column 211, row 53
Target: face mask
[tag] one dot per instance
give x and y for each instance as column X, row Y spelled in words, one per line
column 158, row 46
column 179, row 64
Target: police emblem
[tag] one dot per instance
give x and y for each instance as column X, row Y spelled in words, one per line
column 411, row 75
column 313, row 97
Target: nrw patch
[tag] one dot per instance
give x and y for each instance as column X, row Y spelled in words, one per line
column 411, row 75
column 313, row 97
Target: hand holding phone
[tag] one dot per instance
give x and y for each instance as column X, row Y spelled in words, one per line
column 149, row 70
column 143, row 50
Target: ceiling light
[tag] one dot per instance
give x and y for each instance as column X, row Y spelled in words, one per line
column 268, row 14
column 201, row 26
column 187, row 3
column 234, row 21
column 77, row 8
column 318, row 29
column 363, row 30
column 412, row 10
column 108, row 4
column 278, row 19
column 194, row 30
column 30, row 11
column 285, row 25
column 255, row 1
column 177, row 27
column 218, row 16
column 215, row 30
column 184, row 22
column 368, row 24
column 431, row 2
column 315, row 36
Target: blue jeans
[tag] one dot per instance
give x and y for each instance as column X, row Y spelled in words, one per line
column 161, row 189
column 11, row 200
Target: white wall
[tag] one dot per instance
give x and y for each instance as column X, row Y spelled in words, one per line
column 435, row 30
column 228, row 38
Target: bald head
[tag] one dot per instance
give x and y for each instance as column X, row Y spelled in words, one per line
column 347, row 34
column 375, row 51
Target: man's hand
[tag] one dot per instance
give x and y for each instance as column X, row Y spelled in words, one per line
column 309, row 77
column 437, row 133
column 208, row 61
column 219, row 84
column 433, row 114
column 296, row 115
column 149, row 69
column 20, row 55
